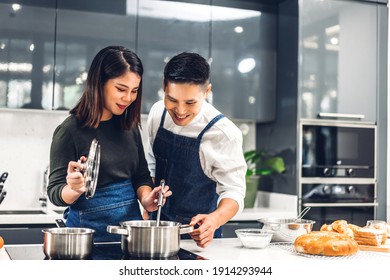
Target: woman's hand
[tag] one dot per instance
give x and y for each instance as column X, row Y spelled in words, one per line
column 75, row 182
column 149, row 198
column 75, row 179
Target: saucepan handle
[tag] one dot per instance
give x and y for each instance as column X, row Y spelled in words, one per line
column 186, row 229
column 117, row 230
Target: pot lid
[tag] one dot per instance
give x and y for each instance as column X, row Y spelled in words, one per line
column 91, row 169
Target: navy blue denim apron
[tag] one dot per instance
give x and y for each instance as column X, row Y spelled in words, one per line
column 178, row 162
column 111, row 204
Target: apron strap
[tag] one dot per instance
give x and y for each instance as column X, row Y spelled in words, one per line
column 210, row 124
column 163, row 118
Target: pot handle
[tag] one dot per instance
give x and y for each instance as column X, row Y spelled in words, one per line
column 117, row 230
column 186, row 229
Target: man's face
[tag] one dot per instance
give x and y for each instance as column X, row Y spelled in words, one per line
column 184, row 101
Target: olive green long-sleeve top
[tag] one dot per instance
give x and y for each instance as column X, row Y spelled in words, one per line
column 122, row 155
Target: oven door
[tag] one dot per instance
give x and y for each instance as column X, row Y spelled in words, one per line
column 338, row 150
column 327, row 213
column 338, row 193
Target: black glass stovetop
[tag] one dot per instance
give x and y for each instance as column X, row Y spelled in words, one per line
column 100, row 251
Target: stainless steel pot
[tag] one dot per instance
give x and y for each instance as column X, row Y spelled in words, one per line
column 286, row 230
column 67, row 243
column 145, row 239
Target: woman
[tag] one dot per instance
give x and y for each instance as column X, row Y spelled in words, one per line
column 109, row 110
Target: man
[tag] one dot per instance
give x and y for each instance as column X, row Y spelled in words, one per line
column 196, row 150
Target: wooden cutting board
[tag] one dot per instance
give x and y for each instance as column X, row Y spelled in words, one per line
column 382, row 248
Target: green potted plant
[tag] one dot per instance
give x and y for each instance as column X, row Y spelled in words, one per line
column 260, row 163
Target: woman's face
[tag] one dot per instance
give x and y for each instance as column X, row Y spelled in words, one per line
column 184, row 101
column 119, row 93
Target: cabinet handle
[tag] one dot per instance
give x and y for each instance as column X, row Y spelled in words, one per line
column 343, row 116
column 363, row 204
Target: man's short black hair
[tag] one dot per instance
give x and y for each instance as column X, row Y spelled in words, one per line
column 187, row 68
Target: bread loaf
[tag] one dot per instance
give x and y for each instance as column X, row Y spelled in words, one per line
column 326, row 243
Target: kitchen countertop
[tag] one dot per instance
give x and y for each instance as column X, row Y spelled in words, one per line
column 252, row 214
column 45, row 217
column 231, row 249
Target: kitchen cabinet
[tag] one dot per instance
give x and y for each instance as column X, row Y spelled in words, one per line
column 237, row 37
column 228, row 229
column 322, row 67
column 24, row 234
column 243, row 66
column 166, row 28
column 26, row 55
column 83, row 28
column 338, row 58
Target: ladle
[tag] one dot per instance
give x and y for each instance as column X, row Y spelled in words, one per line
column 303, row 213
column 159, row 202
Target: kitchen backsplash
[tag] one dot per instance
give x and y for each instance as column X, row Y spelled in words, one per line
column 25, row 138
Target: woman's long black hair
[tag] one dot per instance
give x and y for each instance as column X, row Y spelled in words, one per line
column 110, row 62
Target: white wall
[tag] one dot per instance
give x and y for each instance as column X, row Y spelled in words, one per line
column 25, row 137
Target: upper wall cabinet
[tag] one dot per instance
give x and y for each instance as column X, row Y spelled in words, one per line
column 46, row 48
column 26, row 54
column 166, row 28
column 84, row 28
column 338, row 59
column 243, row 51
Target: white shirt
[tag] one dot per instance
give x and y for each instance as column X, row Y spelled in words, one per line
column 221, row 153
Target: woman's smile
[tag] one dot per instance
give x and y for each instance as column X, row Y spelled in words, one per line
column 122, row 107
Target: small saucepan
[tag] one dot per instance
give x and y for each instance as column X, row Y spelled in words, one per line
column 67, row 243
column 142, row 238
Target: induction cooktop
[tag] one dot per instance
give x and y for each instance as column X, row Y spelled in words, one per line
column 100, row 251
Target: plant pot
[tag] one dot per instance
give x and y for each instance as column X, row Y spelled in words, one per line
column 252, row 183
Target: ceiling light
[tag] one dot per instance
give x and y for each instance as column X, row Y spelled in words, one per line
column 16, row 7
column 246, row 65
column 238, row 29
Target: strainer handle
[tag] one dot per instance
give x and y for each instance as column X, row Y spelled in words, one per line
column 303, row 213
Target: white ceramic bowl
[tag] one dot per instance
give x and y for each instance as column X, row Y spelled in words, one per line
column 254, row 237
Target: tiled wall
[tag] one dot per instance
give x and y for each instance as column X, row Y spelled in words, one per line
column 25, row 137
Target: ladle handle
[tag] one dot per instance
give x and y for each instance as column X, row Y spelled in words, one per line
column 60, row 223
column 303, row 213
column 159, row 202
column 160, row 194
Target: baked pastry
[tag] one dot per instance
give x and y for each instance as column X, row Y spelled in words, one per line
column 341, row 226
column 362, row 235
column 326, row 243
column 370, row 236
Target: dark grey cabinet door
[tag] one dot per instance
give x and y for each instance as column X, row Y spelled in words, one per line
column 26, row 54
column 83, row 28
column 166, row 28
column 338, row 58
column 243, row 51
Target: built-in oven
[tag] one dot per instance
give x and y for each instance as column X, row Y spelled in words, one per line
column 353, row 202
column 337, row 149
column 337, row 174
